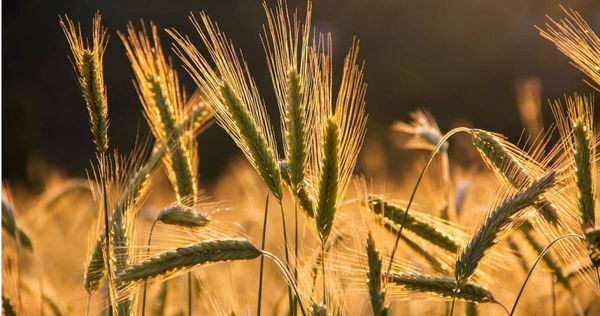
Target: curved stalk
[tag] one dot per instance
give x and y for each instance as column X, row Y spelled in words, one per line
column 285, row 248
column 536, row 262
column 262, row 259
column 147, row 254
column 289, row 277
column 503, row 307
column 429, row 160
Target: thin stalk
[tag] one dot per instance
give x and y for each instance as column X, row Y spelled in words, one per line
column 87, row 309
column 452, row 306
column 289, row 277
column 106, row 228
column 431, row 156
column 536, row 262
column 189, row 293
column 295, row 311
column 598, row 275
column 287, row 257
column 503, row 307
column 323, row 269
column 262, row 259
column 147, row 254
column 553, row 294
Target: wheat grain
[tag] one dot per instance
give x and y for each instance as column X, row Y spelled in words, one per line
column 576, row 39
column 497, row 220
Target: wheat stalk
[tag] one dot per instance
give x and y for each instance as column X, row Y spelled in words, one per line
column 169, row 262
column 394, row 215
column 497, row 220
column 442, row 286
column 88, row 62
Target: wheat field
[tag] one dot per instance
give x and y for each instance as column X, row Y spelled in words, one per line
column 291, row 228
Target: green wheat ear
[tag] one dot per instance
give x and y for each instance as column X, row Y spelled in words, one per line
column 497, row 220
column 328, row 180
column 376, row 291
column 169, row 262
column 88, row 64
column 442, row 286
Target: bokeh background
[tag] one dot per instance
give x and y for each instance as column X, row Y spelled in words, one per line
column 460, row 59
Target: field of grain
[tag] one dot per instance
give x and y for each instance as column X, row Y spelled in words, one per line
column 477, row 224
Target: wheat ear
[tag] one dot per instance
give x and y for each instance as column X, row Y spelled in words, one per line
column 501, row 158
column 87, row 61
column 233, row 98
column 376, row 290
column 394, row 216
column 576, row 39
column 442, row 286
column 9, row 225
column 184, row 216
column 497, row 220
column 577, row 135
column 285, row 40
column 159, row 91
column 328, row 181
column 94, row 272
column 8, row 309
column 169, row 262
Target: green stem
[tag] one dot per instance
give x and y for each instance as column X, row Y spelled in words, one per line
column 323, row 270
column 287, row 257
column 412, row 196
column 553, row 294
column 262, row 259
column 106, row 230
column 289, row 277
column 146, row 281
column 453, row 300
column 189, row 293
column 295, row 311
column 536, row 262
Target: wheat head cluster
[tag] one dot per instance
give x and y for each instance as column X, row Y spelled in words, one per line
column 292, row 229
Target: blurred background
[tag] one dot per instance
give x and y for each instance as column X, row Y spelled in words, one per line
column 464, row 60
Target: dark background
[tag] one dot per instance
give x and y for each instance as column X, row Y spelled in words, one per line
column 457, row 58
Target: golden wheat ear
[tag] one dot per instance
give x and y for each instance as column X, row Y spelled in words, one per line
column 88, row 64
column 285, row 41
column 340, row 135
column 158, row 87
column 228, row 87
column 579, row 144
column 497, row 221
column 575, row 38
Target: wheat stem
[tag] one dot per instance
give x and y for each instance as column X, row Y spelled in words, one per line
column 289, row 277
column 412, row 195
column 262, row 259
column 536, row 262
column 147, row 254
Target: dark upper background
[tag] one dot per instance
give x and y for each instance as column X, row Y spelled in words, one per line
column 457, row 58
